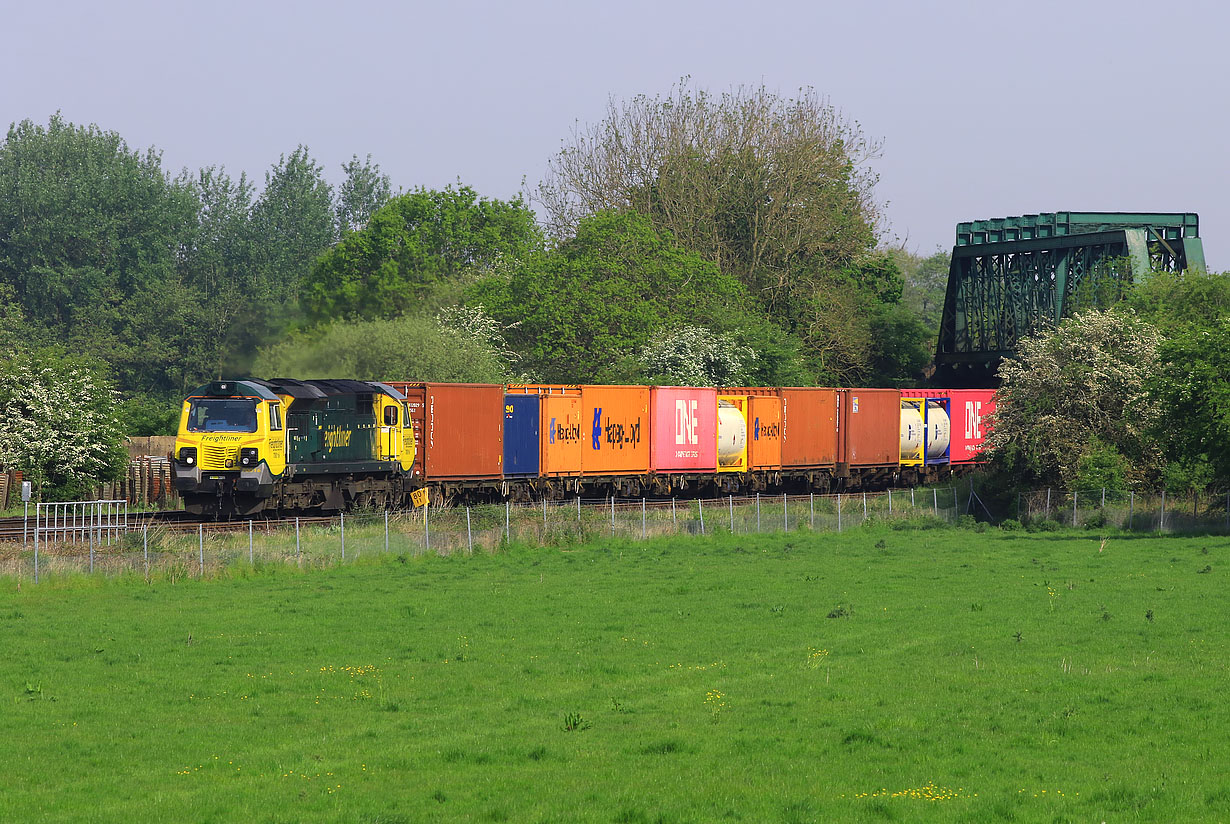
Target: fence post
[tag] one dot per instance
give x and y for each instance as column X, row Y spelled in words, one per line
column 37, row 506
column 1104, row 497
column 1161, row 524
column 298, row 546
column 642, row 519
column 1074, row 508
column 612, row 514
column 812, row 496
column 469, row 534
column 864, row 506
column 343, row 522
column 911, row 497
column 1131, row 506
column 890, row 501
column 839, row 512
column 701, row 510
column 757, row 511
column 200, row 545
column 426, row 528
column 935, row 502
column 145, row 547
column 1018, row 506
column 732, row 514
column 507, row 526
column 251, row 556
column 386, row 530
column 1048, row 502
column 91, row 531
column 579, row 506
column 674, row 519
column 544, row 513
column 785, row 515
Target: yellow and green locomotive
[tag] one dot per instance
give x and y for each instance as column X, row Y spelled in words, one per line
column 251, row 446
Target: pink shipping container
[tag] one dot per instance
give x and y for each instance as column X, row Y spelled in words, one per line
column 970, row 408
column 684, row 429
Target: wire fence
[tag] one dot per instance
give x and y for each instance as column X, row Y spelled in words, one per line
column 160, row 549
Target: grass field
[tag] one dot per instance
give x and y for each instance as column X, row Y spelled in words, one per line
column 880, row 674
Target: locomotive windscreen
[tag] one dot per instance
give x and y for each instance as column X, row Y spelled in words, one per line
column 222, row 415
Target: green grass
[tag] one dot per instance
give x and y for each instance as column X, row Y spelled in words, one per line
column 935, row 675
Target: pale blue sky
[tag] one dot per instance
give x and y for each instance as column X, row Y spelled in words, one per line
column 985, row 109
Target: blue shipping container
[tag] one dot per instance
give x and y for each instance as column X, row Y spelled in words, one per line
column 521, row 421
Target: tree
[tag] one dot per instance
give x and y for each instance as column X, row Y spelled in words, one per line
column 361, row 194
column 59, row 423
column 1193, row 389
column 925, row 285
column 902, row 345
column 89, row 229
column 218, row 263
column 775, row 191
column 1176, row 300
column 417, row 244
column 695, row 356
column 1087, row 378
column 1193, row 383
column 410, row 348
column 295, row 222
column 585, row 311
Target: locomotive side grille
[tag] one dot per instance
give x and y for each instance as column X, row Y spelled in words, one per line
column 215, row 457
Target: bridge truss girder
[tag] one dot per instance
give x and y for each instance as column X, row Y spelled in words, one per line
column 1001, row 292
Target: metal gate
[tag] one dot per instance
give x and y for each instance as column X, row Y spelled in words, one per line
column 96, row 523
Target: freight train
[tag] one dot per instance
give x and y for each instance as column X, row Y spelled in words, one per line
column 252, row 446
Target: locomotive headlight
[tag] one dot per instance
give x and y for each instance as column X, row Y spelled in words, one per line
column 248, row 458
column 188, row 455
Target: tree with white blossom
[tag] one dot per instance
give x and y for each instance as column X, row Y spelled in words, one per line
column 1076, row 390
column 696, row 356
column 58, row 423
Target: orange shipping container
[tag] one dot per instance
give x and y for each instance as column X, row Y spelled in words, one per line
column 870, row 427
column 765, row 425
column 809, row 427
column 616, row 424
column 563, row 435
column 458, row 429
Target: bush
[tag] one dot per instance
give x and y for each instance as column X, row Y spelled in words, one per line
column 919, row 522
column 1096, row 521
column 1010, row 525
column 1101, row 466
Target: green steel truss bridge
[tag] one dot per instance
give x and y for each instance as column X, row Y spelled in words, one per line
column 1009, row 276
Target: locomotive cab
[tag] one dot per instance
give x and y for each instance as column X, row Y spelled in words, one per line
column 230, row 449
